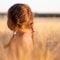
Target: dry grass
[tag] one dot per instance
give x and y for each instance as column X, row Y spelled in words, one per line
column 48, row 30
column 47, row 33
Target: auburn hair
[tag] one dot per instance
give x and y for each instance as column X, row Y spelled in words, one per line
column 18, row 15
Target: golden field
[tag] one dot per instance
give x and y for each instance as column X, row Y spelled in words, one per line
column 47, row 31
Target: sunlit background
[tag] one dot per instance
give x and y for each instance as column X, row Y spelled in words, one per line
column 40, row 6
column 46, row 26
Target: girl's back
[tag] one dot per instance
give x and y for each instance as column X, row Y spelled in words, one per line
column 21, row 47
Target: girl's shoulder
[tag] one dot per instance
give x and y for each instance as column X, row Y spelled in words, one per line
column 3, row 55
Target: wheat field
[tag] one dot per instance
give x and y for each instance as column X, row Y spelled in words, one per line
column 47, row 32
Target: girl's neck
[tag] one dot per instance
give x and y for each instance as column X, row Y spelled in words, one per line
column 22, row 30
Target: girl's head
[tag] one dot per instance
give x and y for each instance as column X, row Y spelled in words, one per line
column 19, row 16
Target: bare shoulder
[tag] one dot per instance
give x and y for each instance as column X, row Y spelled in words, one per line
column 3, row 55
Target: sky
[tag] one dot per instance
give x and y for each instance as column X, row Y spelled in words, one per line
column 40, row 6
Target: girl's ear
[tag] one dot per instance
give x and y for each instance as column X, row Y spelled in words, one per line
column 11, row 25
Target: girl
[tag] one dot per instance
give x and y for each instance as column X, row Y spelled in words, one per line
column 20, row 21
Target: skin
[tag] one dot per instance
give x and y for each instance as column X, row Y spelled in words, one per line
column 21, row 42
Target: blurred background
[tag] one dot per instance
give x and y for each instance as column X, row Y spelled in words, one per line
column 46, row 16
column 46, row 20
